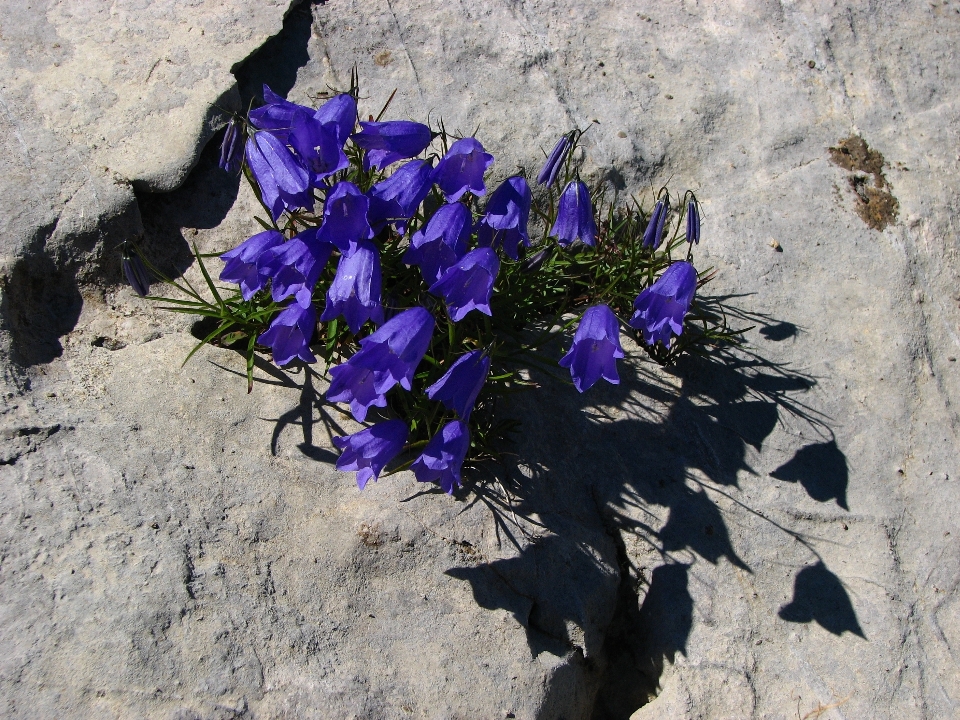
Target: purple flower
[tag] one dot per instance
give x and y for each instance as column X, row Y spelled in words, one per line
column 345, row 217
column 355, row 290
column 243, row 262
column 551, row 167
column 290, row 333
column 396, row 199
column 443, row 456
column 317, row 147
column 369, row 450
column 341, row 111
column 575, row 216
column 231, row 149
column 505, row 221
column 387, row 142
column 277, row 115
column 693, row 222
column 135, row 271
column 660, row 308
column 441, row 242
column 295, row 266
column 468, row 284
column 462, row 169
column 387, row 357
column 653, row 235
column 460, row 385
column 595, row 349
column 284, row 184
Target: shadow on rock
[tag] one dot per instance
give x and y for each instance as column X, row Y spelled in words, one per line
column 822, row 471
column 819, row 595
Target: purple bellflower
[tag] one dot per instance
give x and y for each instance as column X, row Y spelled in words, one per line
column 386, row 357
column 653, row 235
column 693, row 222
column 387, row 142
column 660, row 308
column 318, row 137
column 369, row 450
column 462, row 169
column 284, row 184
column 575, row 216
column 295, row 266
column 460, row 385
column 290, row 333
column 276, row 115
column 231, row 149
column 505, row 221
column 243, row 262
column 468, row 284
column 396, row 199
column 548, row 175
column 135, row 271
column 441, row 242
column 355, row 290
column 596, row 347
column 443, row 456
column 345, row 217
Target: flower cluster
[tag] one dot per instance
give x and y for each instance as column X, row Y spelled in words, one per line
column 384, row 256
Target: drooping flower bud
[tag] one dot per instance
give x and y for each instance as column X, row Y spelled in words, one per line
column 693, row 222
column 231, row 149
column 575, row 216
column 135, row 271
column 548, row 174
column 653, row 235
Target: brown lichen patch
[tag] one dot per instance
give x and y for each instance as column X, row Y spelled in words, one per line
column 876, row 205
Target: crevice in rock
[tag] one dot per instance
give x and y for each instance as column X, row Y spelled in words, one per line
column 630, row 678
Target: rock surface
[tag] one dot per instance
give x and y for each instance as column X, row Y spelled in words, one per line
column 768, row 535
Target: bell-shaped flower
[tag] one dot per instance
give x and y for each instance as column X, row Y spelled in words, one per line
column 386, row 357
column 345, row 217
column 317, row 147
column 443, row 456
column 295, row 266
column 575, row 216
column 290, row 333
column 276, row 115
column 284, row 183
column 135, row 271
column 693, row 222
column 231, row 149
column 596, row 347
column 661, row 308
column 443, row 241
column 507, row 213
column 460, row 385
column 653, row 235
column 462, row 169
column 368, row 451
column 548, row 174
column 468, row 284
column 355, row 290
column 396, row 199
column 243, row 262
column 341, row 111
column 387, row 142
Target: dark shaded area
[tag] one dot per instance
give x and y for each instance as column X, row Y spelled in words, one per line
column 40, row 303
column 779, row 331
column 822, row 471
column 819, row 595
column 277, row 61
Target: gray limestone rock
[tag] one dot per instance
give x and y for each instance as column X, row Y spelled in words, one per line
column 766, row 534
